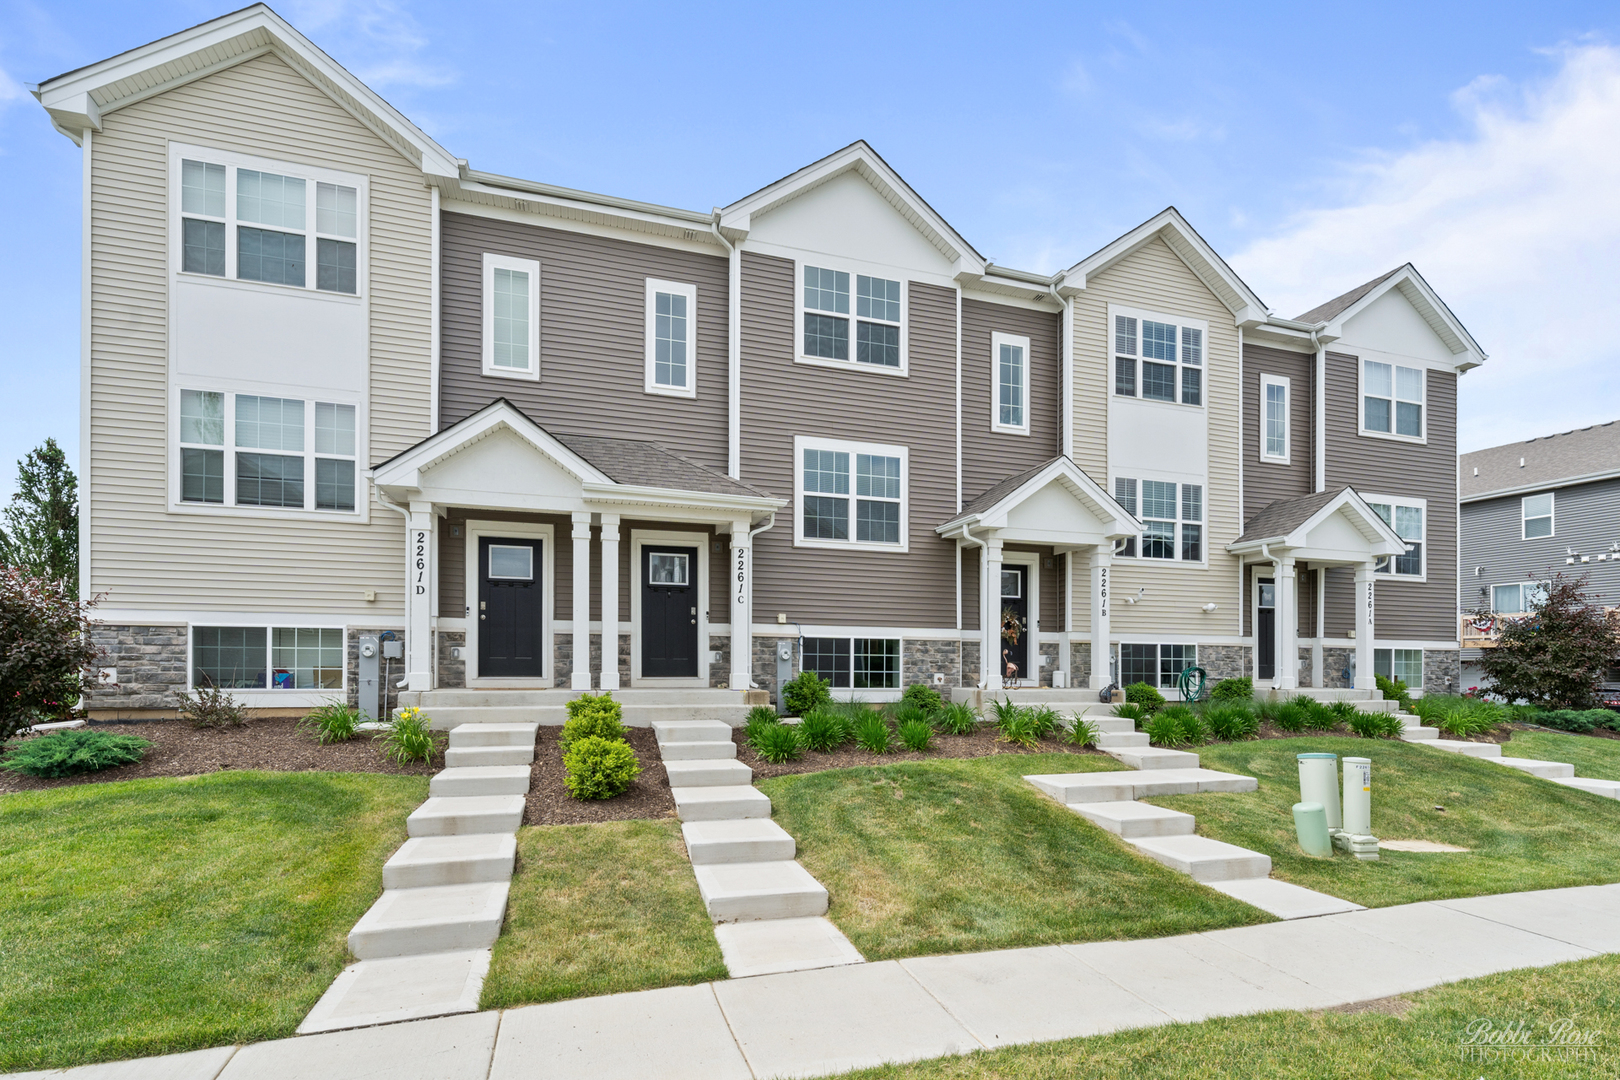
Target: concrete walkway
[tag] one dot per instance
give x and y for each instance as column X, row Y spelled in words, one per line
column 1559, row 772
column 816, row 1023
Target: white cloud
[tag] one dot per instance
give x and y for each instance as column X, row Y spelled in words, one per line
column 1516, row 225
column 379, row 41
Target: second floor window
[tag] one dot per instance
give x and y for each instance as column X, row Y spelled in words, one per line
column 1009, row 361
column 1518, row 598
column 1391, row 399
column 827, row 310
column 1406, row 518
column 851, row 493
column 1536, row 514
column 671, row 338
column 511, row 317
column 258, row 451
column 1156, row 359
column 1274, row 418
column 1172, row 517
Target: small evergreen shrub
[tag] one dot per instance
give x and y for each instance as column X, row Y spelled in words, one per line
column 776, row 742
column 824, row 730
column 1231, row 722
column 211, row 707
column 1576, row 721
column 1145, row 695
column 925, row 697
column 1381, row 725
column 1233, row 690
column 1165, row 730
column 1394, row 690
column 589, row 716
column 409, row 738
column 332, row 722
column 73, row 751
column 872, row 732
column 957, row 718
column 1083, row 732
column 598, row 768
column 805, row 691
column 763, row 713
column 916, row 735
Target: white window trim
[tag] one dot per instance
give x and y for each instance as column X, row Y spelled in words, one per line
column 652, row 386
column 1421, row 504
column 1288, row 421
column 1174, row 692
column 233, row 161
column 1423, row 663
column 1552, row 513
column 1180, row 483
column 265, row 697
column 1520, row 585
column 1201, row 325
column 1361, row 402
column 801, row 443
column 493, row 262
column 997, row 340
column 230, row 389
column 866, row 693
column 476, row 530
column 854, row 270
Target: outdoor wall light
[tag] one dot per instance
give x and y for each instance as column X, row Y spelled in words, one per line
column 1208, row 608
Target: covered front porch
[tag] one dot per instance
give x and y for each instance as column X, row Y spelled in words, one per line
column 571, row 561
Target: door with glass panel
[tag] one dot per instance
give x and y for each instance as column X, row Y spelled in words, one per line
column 1015, row 624
column 511, row 609
column 669, row 612
column 1265, row 629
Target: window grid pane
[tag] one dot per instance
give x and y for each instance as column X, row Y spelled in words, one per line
column 1138, row 663
column 1124, row 335
column 307, row 658
column 336, row 210
column 669, row 366
column 826, row 290
column 1407, row 664
column 270, row 199
column 202, row 417
column 1172, row 660
column 877, row 298
column 267, row 423
column 877, row 476
column 1158, row 382
column 1192, row 345
column 1192, row 502
column 826, row 518
column 511, row 319
column 274, row 257
column 202, row 188
column 827, row 337
column 334, row 484
column 1192, row 543
column 202, row 476
column 826, row 471
column 1124, row 377
column 875, row 344
column 1408, row 419
column 828, row 658
column 1377, row 414
column 202, row 247
column 877, row 522
column 334, row 429
column 1158, row 499
column 269, row 480
column 877, row 664
column 1011, row 368
column 1192, row 386
column 1125, row 494
column 1507, row 600
column 1158, row 341
column 336, row 266
column 231, row 657
column 1158, row 539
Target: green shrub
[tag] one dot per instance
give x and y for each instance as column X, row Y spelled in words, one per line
column 763, row 713
column 1193, row 730
column 824, row 730
column 872, row 732
column 1571, row 720
column 925, row 697
column 1165, row 730
column 776, row 742
column 598, row 768
column 1231, row 721
column 805, row 691
column 1394, row 690
column 1460, row 717
column 1132, row 711
column 957, row 718
column 758, row 724
column 1318, row 717
column 592, row 716
column 1145, row 695
column 211, row 707
column 904, row 711
column 1233, row 690
column 1380, row 725
column 916, row 735
column 332, row 722
column 1291, row 716
column 1345, row 711
column 75, row 750
column 409, row 738
column 1083, row 732
column 1047, row 721
column 1267, row 708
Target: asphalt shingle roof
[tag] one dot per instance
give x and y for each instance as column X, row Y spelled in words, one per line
column 1285, row 515
column 1334, row 307
column 646, row 464
column 998, row 491
column 1547, row 460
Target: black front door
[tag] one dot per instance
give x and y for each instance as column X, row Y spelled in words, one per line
column 1265, row 631
column 511, row 609
column 669, row 612
column 1015, row 621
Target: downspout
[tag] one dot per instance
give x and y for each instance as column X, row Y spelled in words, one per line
column 1319, row 443
column 733, row 351
column 1065, row 376
column 383, row 498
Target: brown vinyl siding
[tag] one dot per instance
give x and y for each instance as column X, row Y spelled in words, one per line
column 970, row 586
column 1264, row 482
column 782, row 399
column 592, row 335
column 991, row 456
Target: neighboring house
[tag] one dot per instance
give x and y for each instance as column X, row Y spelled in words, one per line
column 336, row 380
column 1529, row 510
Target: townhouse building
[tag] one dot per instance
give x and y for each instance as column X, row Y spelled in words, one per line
column 338, row 382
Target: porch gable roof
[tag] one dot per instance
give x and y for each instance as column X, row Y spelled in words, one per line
column 995, row 507
column 1289, row 524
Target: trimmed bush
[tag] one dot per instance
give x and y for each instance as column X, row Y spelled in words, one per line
column 211, row 707
column 598, row 768
column 1394, row 690
column 872, row 732
column 592, row 716
column 824, row 730
column 805, row 691
column 916, row 735
column 332, row 722
column 925, row 697
column 77, row 750
column 776, row 742
column 957, row 718
column 409, row 738
column 1231, row 721
column 1233, row 690
column 1082, row 732
column 756, row 726
column 1576, row 721
column 1145, row 695
column 1380, row 725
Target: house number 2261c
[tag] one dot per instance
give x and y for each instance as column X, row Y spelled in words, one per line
column 742, row 575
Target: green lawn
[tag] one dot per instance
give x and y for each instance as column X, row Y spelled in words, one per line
column 1422, row 1043
column 953, row 856
column 153, row 916
column 1522, row 832
column 1593, row 757
column 601, row 909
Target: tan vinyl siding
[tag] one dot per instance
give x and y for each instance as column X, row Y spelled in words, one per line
column 142, row 555
column 1155, row 278
column 1405, row 610
column 1264, row 482
column 989, row 457
column 592, row 335
column 782, row 399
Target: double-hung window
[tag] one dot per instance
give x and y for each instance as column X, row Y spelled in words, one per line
column 511, row 317
column 1536, row 516
column 1009, row 364
column 1274, row 420
column 1406, row 517
column 247, row 219
column 254, row 450
column 1391, row 399
column 671, row 338
column 879, row 329
column 854, row 663
column 267, row 658
column 1156, row 665
column 1157, row 358
column 850, row 494
column 1172, row 517
column 1517, row 599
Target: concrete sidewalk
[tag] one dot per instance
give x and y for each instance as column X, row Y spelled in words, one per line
column 814, row 1023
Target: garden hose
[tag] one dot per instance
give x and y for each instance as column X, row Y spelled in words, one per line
column 1191, row 683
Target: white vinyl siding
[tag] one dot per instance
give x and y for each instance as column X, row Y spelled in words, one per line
column 671, row 321
column 511, row 317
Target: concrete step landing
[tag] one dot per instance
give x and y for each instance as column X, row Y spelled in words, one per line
column 478, row 757
column 509, row 735
column 481, row 780
column 1134, row 820
column 400, row 988
column 697, row 751
column 443, row 918
column 714, row 772
column 461, row 816
column 720, row 803
column 1547, row 770
column 1110, row 740
column 1420, row 734
column 1152, row 757
column 1282, row 899
column 1069, row 788
column 1204, row 859
column 1607, row 788
column 737, row 841
column 777, row 945
column 737, row 892
column 451, row 860
column 1467, row 749
column 691, row 731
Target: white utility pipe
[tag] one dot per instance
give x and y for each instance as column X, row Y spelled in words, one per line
column 1358, row 796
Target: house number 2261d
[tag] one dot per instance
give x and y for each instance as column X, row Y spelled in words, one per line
column 419, row 558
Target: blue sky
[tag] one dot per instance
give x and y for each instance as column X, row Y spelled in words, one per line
column 1314, row 146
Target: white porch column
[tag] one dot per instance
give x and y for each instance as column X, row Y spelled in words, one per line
column 991, row 665
column 740, row 577
column 1364, row 627
column 581, row 678
column 609, row 678
column 1102, row 564
column 1287, row 625
column 421, row 556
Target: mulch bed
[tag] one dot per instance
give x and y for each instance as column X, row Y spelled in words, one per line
column 273, row 744
column 550, row 804
column 982, row 743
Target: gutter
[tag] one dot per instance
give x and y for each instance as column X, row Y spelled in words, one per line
column 733, row 349
column 1065, row 374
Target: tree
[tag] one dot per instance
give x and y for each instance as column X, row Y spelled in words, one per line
column 45, row 650
column 41, row 531
column 1555, row 656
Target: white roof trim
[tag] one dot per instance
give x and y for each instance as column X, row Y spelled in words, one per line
column 405, row 470
column 1382, row 539
column 1427, row 303
column 77, row 99
column 1169, row 226
column 1118, row 522
column 858, row 157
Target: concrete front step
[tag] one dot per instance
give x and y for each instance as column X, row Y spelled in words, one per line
column 1204, row 859
column 1547, row 770
column 1360, row 697
column 1607, row 788
column 1118, row 725
column 777, row 945
column 650, row 715
column 738, row 892
column 697, row 751
column 1072, row 788
column 713, row 773
column 1467, row 749
column 473, row 697
column 737, row 841
column 400, row 988
column 503, row 735
column 444, row 918
column 451, row 860
column 464, row 816
column 1420, row 734
column 672, row 731
column 1122, row 740
column 448, row 718
column 482, row 780
column 1282, row 899
column 720, row 803
column 1134, row 820
column 1155, row 758
column 473, row 757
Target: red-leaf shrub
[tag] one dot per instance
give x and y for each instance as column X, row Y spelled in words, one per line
column 45, row 650
column 1554, row 657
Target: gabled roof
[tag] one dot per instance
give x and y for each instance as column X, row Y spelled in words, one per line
column 1287, row 523
column 76, row 100
column 646, row 464
column 1592, row 453
column 1331, row 316
column 1326, row 312
column 994, row 503
column 860, row 158
column 1168, row 225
